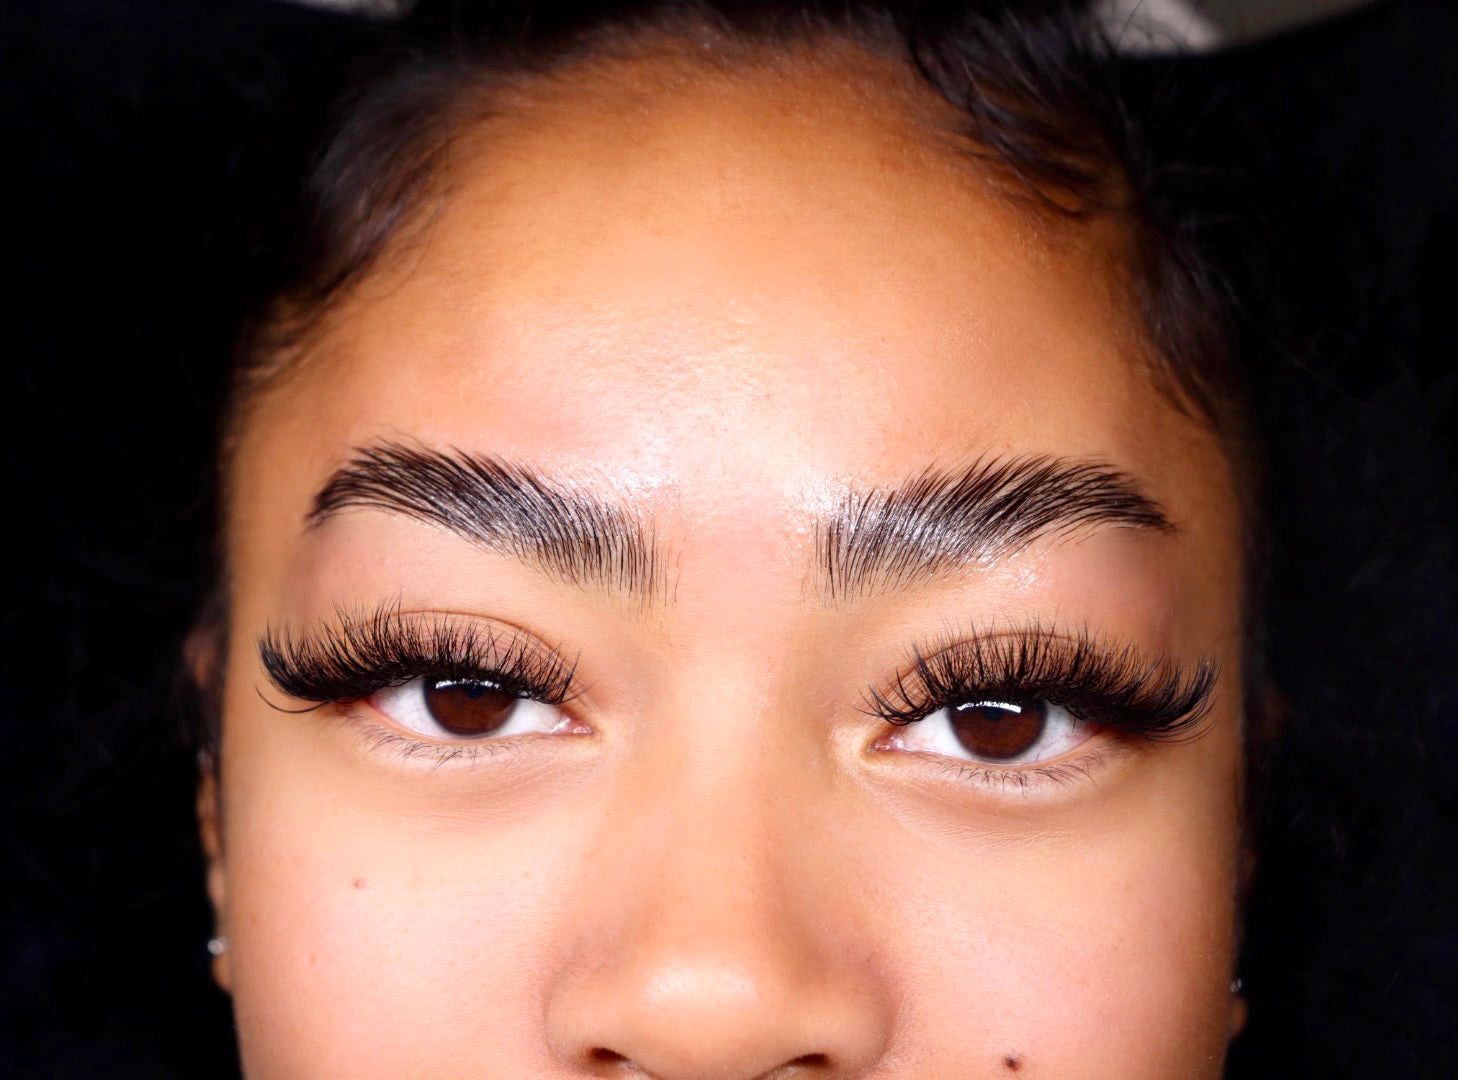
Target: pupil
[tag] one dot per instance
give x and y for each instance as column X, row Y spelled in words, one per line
column 1000, row 730
column 468, row 708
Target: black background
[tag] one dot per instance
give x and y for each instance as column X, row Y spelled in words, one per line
column 148, row 148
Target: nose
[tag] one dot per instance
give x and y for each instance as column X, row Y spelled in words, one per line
column 719, row 940
column 698, row 1015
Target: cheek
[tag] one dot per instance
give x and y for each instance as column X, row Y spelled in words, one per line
column 362, row 937
column 1102, row 954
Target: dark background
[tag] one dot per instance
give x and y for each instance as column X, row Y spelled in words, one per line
column 148, row 148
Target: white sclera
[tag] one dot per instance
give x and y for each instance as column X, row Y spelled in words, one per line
column 933, row 734
column 406, row 706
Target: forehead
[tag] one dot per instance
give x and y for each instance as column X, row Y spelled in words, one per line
column 739, row 285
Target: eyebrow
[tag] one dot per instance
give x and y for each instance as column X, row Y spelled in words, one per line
column 941, row 520
column 582, row 537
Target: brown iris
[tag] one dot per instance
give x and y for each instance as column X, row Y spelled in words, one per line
column 1000, row 730
column 468, row 708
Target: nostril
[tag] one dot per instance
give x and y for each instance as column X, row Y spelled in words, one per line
column 601, row 1055
column 808, row 1061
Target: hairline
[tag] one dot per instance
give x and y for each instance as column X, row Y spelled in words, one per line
column 253, row 382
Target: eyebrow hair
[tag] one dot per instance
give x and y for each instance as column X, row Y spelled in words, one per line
column 580, row 536
column 939, row 520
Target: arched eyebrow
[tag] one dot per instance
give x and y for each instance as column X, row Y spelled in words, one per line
column 583, row 537
column 941, row 520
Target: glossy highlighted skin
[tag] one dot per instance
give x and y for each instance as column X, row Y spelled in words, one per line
column 708, row 414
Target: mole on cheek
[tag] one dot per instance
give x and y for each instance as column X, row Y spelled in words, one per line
column 1012, row 1063
column 359, row 883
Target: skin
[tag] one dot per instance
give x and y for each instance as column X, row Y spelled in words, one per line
column 726, row 299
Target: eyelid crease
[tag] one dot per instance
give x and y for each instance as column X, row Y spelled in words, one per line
column 366, row 650
column 1108, row 683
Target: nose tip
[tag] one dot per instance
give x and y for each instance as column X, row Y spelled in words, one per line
column 804, row 1065
column 708, row 1020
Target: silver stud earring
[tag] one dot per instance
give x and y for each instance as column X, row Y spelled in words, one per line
column 1237, row 984
column 217, row 946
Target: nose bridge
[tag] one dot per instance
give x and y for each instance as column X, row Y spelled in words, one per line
column 724, row 853
column 717, row 944
column 736, row 798
column 725, row 763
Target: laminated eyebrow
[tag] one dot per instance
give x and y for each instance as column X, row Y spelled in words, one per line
column 580, row 535
column 876, row 539
column 940, row 519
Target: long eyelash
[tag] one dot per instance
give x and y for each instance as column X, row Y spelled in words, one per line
column 364, row 651
column 1109, row 685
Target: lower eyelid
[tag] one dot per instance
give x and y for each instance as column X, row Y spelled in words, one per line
column 1022, row 780
column 1081, row 766
column 381, row 738
column 385, row 741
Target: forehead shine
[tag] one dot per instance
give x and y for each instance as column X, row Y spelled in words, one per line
column 739, row 284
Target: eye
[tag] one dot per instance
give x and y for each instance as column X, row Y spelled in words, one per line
column 456, row 709
column 997, row 731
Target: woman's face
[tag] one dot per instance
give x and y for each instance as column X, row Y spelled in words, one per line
column 728, row 400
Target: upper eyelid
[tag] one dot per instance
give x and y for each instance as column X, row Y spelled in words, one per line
column 353, row 630
column 389, row 618
column 358, row 639
column 1118, row 662
column 1082, row 646
column 923, row 653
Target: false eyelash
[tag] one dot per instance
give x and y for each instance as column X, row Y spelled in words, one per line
column 1108, row 685
column 366, row 651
